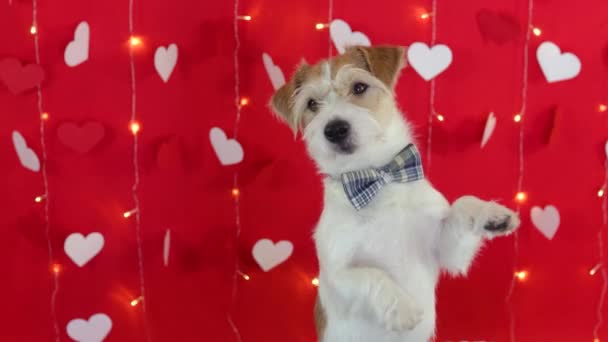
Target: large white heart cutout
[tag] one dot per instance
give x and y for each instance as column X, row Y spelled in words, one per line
column 165, row 60
column 82, row 249
column 96, row 329
column 269, row 255
column 228, row 151
column 546, row 220
column 429, row 62
column 77, row 51
column 26, row 155
column 557, row 66
column 343, row 37
column 275, row 74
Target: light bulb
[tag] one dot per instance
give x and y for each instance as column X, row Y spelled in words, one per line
column 44, row 116
column 594, row 270
column 600, row 192
column 521, row 197
column 320, row 26
column 244, row 101
column 33, row 29
column 135, row 127
column 602, row 107
column 128, row 214
column 56, row 268
column 135, row 41
column 425, row 16
column 236, row 192
column 517, row 118
column 244, row 17
column 39, row 199
column 315, row 281
column 246, row 277
column 521, row 275
column 440, row 117
column 537, row 32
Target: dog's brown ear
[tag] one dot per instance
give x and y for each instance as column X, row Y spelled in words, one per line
column 281, row 102
column 384, row 62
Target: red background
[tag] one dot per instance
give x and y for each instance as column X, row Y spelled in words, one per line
column 185, row 189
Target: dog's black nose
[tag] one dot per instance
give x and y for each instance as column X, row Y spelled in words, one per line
column 336, row 131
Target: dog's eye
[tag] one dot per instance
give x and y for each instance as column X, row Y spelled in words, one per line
column 312, row 105
column 359, row 88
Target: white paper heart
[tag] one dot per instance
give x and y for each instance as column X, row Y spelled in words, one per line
column 269, row 255
column 228, row 151
column 165, row 60
column 166, row 247
column 429, row 62
column 26, row 155
column 557, row 66
column 77, row 51
column 546, row 220
column 274, row 72
column 343, row 37
column 96, row 329
column 82, row 249
column 489, row 129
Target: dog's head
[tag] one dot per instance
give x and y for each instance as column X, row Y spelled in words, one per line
column 346, row 110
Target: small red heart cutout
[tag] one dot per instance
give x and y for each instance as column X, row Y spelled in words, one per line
column 498, row 27
column 82, row 138
column 169, row 154
column 20, row 78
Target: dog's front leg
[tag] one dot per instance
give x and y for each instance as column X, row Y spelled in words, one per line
column 470, row 221
column 368, row 289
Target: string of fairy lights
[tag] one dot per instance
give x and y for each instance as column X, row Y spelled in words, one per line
column 55, row 268
column 238, row 104
column 520, row 196
column 432, row 112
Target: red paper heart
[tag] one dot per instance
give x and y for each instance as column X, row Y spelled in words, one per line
column 80, row 138
column 20, row 78
column 169, row 155
column 498, row 27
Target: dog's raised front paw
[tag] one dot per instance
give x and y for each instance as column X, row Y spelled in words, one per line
column 399, row 312
column 489, row 219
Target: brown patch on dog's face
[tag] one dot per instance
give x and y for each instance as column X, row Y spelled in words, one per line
column 362, row 76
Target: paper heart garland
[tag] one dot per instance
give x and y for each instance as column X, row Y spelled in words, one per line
column 557, row 66
column 77, row 51
column 269, row 255
column 228, row 151
column 546, row 220
column 165, row 60
column 20, row 78
column 429, row 62
column 343, row 37
column 96, row 329
column 489, row 129
column 82, row 138
column 26, row 155
column 275, row 74
column 498, row 27
column 82, row 249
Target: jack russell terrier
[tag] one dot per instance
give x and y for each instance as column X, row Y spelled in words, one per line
column 385, row 233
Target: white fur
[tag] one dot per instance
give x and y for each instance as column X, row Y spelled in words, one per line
column 379, row 266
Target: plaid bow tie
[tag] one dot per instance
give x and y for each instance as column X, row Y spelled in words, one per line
column 362, row 186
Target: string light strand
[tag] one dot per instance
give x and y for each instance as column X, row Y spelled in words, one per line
column 330, row 14
column 520, row 178
column 45, row 181
column 235, row 191
column 432, row 112
column 134, row 188
column 602, row 269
